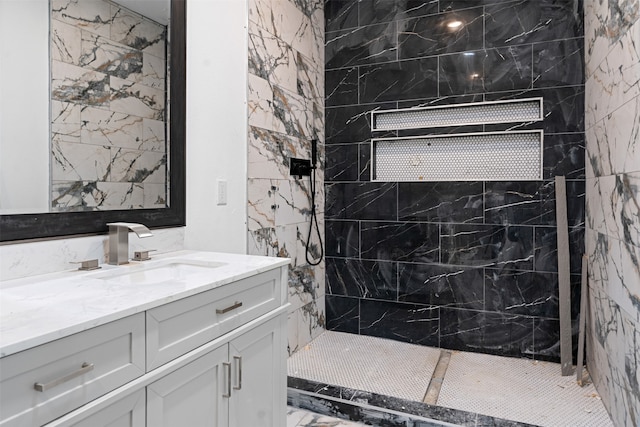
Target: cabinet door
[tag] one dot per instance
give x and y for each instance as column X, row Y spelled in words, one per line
column 192, row 395
column 258, row 382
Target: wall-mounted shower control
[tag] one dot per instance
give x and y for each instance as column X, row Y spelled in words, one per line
column 299, row 167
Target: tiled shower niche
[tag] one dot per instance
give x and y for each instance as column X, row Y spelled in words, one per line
column 108, row 108
column 460, row 265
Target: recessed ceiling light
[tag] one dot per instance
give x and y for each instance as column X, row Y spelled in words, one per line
column 454, row 24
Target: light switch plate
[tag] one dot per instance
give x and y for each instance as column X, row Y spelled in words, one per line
column 222, row 192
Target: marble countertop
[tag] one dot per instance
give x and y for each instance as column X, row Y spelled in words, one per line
column 38, row 309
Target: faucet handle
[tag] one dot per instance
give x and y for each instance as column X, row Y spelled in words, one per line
column 142, row 255
column 90, row 264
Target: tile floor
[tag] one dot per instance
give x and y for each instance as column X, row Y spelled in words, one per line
column 520, row 390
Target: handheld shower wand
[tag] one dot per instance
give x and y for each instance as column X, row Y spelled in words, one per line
column 312, row 180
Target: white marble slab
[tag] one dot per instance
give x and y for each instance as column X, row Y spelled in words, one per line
column 35, row 310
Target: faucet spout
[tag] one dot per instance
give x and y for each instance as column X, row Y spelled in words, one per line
column 119, row 240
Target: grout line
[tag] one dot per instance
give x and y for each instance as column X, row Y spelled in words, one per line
column 433, row 390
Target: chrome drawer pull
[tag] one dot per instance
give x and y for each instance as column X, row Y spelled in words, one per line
column 86, row 367
column 239, row 382
column 228, row 370
column 235, row 305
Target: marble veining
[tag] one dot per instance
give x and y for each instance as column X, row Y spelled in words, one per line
column 474, row 264
column 89, row 300
column 285, row 111
column 612, row 38
column 108, row 78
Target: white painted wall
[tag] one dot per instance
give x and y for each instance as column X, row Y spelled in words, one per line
column 24, row 143
column 216, row 124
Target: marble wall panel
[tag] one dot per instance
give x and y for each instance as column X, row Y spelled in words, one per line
column 65, row 122
column 609, row 148
column 108, row 77
column 612, row 30
column 286, row 111
column 482, row 253
column 614, row 81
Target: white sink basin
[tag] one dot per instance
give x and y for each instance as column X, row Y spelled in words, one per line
column 167, row 271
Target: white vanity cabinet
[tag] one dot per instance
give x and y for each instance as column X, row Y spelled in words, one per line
column 213, row 358
column 238, row 384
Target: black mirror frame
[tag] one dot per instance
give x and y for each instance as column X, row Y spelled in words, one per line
column 45, row 225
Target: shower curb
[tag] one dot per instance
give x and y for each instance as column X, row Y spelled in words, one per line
column 366, row 407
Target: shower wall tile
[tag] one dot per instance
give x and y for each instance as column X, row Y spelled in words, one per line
column 370, row 44
column 341, row 87
column 261, row 209
column 460, row 74
column 522, row 292
column 516, row 202
column 441, row 285
column 95, row 16
column 362, row 279
column 65, row 122
column 393, row 81
column 66, row 41
column 372, row 12
column 350, row 124
column 440, row 202
column 613, row 347
column 606, row 23
column 416, row 324
column 343, row 314
column 521, row 22
column 564, row 155
column 612, row 146
column 506, row 68
column 546, row 336
column 271, row 59
column 371, row 200
column 400, row 241
column 340, row 14
column 546, row 249
column 482, row 253
column 288, row 23
column 617, row 217
column 479, row 245
column 615, row 271
column 558, row 63
column 430, row 35
column 612, row 55
column 269, row 153
column 285, row 112
column 486, row 332
column 342, row 238
column 342, row 162
column 613, row 82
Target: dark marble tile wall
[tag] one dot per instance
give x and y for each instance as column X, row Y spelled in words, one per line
column 461, row 265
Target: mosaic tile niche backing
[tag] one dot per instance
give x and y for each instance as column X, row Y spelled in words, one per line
column 108, row 108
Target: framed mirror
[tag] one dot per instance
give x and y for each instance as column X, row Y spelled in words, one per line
column 169, row 212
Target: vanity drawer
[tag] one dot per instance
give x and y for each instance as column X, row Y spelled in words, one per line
column 41, row 384
column 181, row 326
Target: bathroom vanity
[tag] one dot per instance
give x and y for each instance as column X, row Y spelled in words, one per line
column 185, row 339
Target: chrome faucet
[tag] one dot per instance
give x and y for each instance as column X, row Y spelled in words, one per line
column 119, row 240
